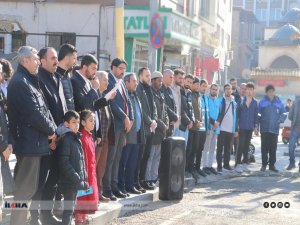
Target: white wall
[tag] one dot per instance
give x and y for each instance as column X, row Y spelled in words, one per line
column 82, row 19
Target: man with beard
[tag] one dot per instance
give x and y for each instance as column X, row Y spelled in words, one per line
column 208, row 155
column 228, row 128
column 52, row 89
column 67, row 58
column 85, row 87
column 183, row 104
column 123, row 119
column 149, row 119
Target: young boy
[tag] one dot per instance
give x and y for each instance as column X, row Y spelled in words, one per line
column 72, row 173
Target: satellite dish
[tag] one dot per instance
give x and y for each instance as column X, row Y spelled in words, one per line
column 246, row 74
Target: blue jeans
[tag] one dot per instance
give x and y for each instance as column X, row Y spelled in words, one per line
column 183, row 134
column 292, row 145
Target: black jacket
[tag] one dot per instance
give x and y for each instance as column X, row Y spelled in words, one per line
column 4, row 135
column 149, row 108
column 30, row 120
column 187, row 111
column 84, row 96
column 67, row 87
column 162, row 118
column 70, row 155
column 53, row 91
column 171, row 108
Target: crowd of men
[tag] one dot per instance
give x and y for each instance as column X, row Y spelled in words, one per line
column 135, row 113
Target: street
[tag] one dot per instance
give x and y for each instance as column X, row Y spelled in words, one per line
column 240, row 199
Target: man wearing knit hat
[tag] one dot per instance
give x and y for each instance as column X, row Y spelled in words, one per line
column 151, row 175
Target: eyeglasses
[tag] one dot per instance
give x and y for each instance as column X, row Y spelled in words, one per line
column 122, row 68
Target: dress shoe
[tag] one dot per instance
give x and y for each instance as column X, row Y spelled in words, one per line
column 206, row 170
column 103, row 199
column 273, row 168
column 146, row 185
column 291, row 166
column 125, row 193
column 227, row 168
column 119, row 194
column 110, row 196
column 219, row 170
column 213, row 171
column 263, row 168
column 195, row 174
column 139, row 188
column 134, row 191
column 201, row 173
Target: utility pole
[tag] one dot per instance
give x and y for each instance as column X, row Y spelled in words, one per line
column 119, row 16
column 152, row 53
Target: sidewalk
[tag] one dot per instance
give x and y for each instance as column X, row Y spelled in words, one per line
column 138, row 203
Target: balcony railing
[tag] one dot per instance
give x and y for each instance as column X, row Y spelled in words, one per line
column 276, row 73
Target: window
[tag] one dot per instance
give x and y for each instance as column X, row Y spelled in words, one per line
column 204, row 9
column 18, row 40
column 56, row 39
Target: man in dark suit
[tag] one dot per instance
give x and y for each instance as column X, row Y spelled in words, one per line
column 145, row 93
column 123, row 119
column 52, row 88
column 168, row 76
column 134, row 138
column 85, row 87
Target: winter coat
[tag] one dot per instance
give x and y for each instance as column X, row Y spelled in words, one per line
column 187, row 111
column 52, row 88
column 67, row 87
column 29, row 118
column 171, row 108
column 149, row 108
column 89, row 203
column 70, row 156
column 272, row 113
column 162, row 118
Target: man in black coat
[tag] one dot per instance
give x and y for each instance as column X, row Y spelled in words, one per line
column 168, row 76
column 67, row 58
column 32, row 128
column 145, row 94
column 52, row 88
column 85, row 87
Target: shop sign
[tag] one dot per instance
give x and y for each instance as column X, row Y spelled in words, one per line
column 137, row 21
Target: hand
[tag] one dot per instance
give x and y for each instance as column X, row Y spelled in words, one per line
column 190, row 125
column 111, row 96
column 52, row 145
column 153, row 125
column 198, row 125
column 52, row 136
column 216, row 125
column 95, row 84
column 7, row 152
column 256, row 132
column 98, row 141
column 236, row 134
column 127, row 124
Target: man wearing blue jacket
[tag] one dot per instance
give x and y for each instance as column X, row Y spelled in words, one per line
column 212, row 132
column 271, row 111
